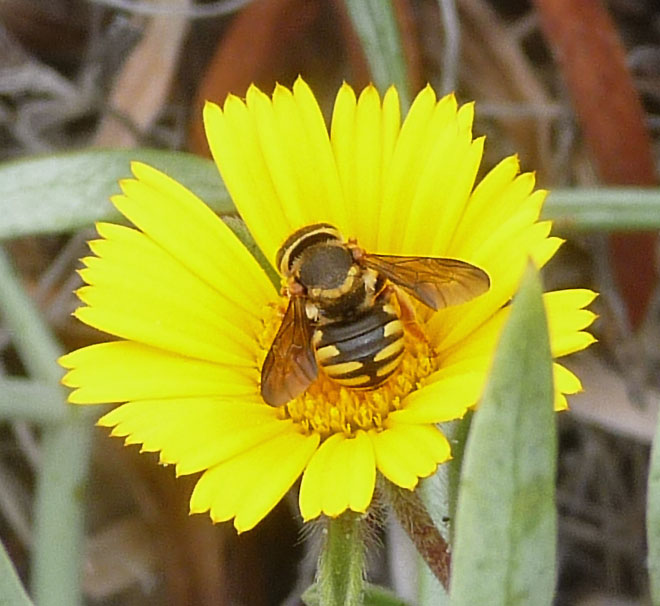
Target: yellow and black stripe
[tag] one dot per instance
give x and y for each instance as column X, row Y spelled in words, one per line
column 363, row 351
column 302, row 239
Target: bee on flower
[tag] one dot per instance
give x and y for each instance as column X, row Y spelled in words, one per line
column 396, row 272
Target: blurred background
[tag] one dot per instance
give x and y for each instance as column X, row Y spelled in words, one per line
column 572, row 87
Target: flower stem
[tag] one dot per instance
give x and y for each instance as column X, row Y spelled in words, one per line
column 341, row 563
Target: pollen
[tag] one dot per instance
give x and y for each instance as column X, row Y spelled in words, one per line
column 327, row 407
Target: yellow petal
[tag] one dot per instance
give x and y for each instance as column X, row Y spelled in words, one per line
column 277, row 162
column 570, row 343
column 480, row 343
column 351, row 466
column 278, row 128
column 447, row 398
column 187, row 229
column 313, row 485
column 566, row 382
column 300, row 158
column 194, row 433
column 364, row 184
column 390, row 127
column 457, row 196
column 209, row 450
column 342, row 137
column 167, row 325
column 446, row 177
column 321, row 172
column 496, row 199
column 341, row 475
column 220, row 489
column 249, row 485
column 234, row 144
column 160, row 281
column 360, row 472
column 567, row 320
column 405, row 453
column 201, row 304
column 544, row 250
column 296, row 451
column 400, row 182
column 574, row 298
column 123, row 370
column 525, row 214
column 560, row 402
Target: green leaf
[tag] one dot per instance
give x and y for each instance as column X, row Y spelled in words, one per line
column 430, row 591
column 653, row 518
column 604, row 208
column 504, row 551
column 376, row 27
column 65, row 446
column 12, row 592
column 458, row 437
column 27, row 399
column 63, row 192
column 440, row 493
column 32, row 338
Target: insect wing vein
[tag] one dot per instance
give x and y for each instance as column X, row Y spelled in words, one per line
column 290, row 366
column 435, row 281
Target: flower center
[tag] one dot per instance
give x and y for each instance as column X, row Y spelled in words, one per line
column 327, row 407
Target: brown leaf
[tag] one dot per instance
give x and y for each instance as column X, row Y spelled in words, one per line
column 274, row 41
column 592, row 59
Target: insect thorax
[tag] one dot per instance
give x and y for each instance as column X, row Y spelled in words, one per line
column 296, row 244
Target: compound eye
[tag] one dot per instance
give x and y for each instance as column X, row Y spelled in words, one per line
column 325, row 267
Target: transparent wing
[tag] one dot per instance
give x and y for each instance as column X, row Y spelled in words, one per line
column 436, row 282
column 290, row 365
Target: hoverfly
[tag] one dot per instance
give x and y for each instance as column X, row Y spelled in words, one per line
column 340, row 315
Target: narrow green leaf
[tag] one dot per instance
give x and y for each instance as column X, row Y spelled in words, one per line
column 453, row 469
column 653, row 519
column 63, row 192
column 28, row 400
column 65, row 447
column 32, row 338
column 376, row 27
column 605, row 208
column 60, row 510
column 504, row 552
column 12, row 592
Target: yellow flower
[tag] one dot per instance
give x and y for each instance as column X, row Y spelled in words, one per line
column 195, row 313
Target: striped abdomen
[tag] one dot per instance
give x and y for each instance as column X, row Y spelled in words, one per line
column 361, row 352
